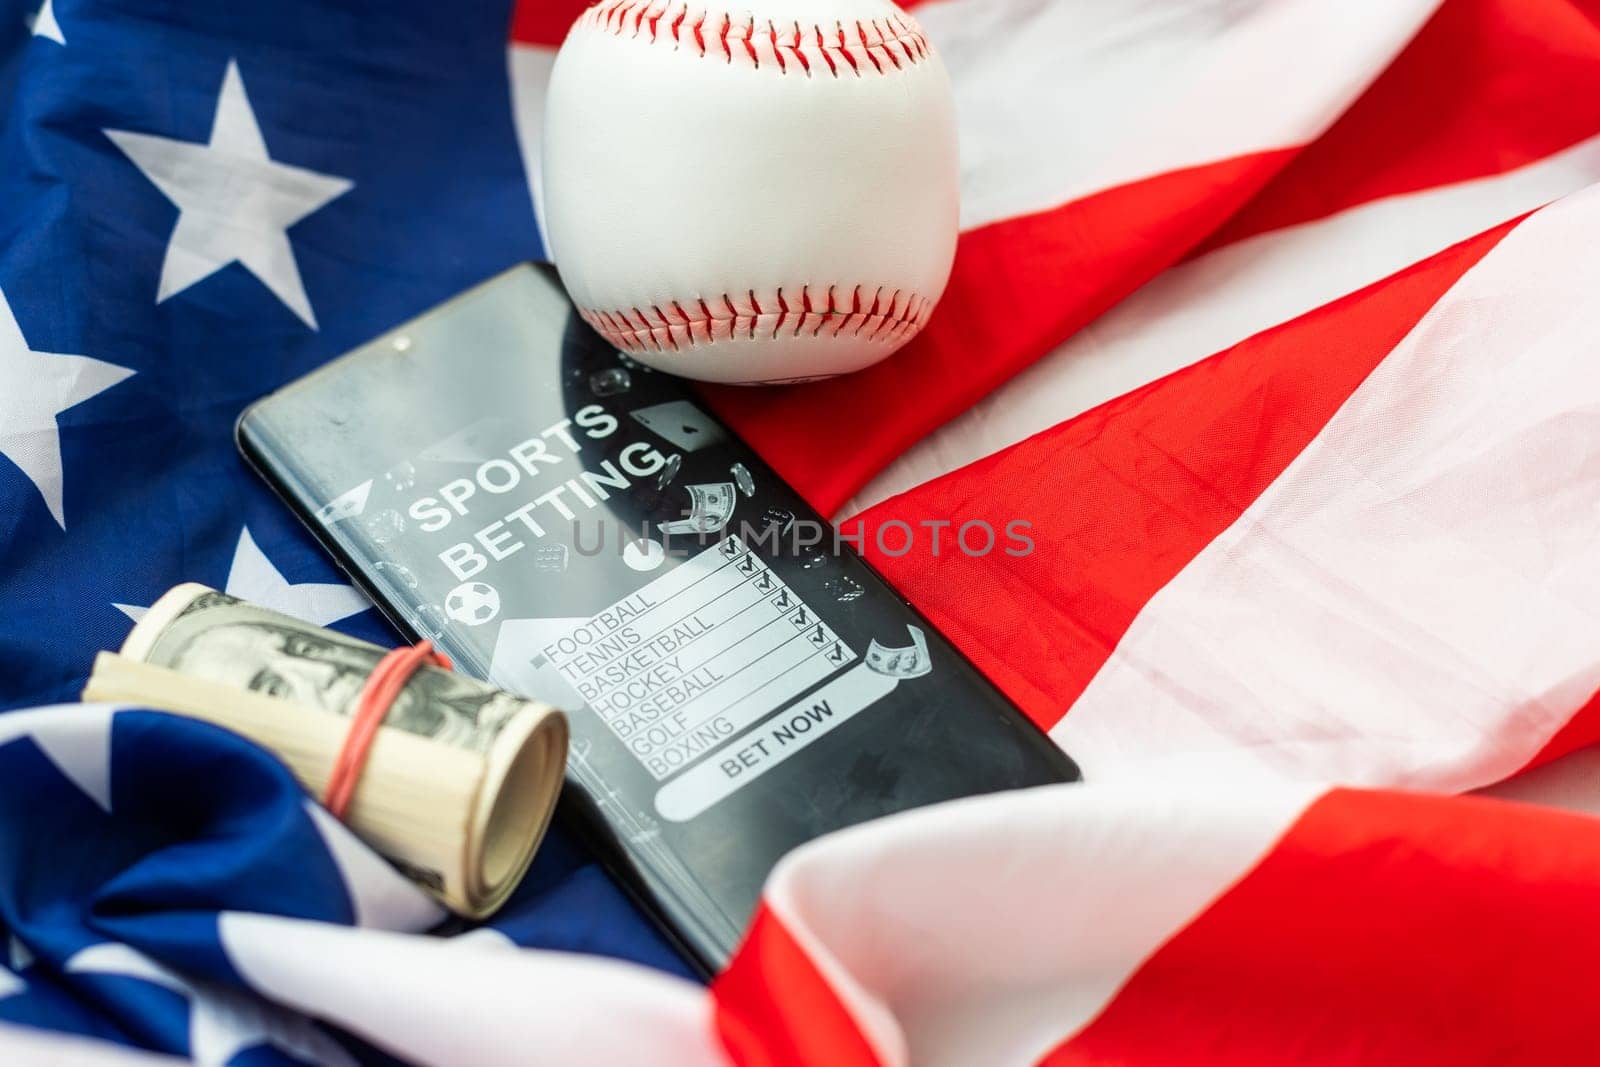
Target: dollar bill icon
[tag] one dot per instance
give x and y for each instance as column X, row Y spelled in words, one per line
column 710, row 508
column 911, row 661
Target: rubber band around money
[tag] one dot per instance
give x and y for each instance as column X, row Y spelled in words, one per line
column 382, row 689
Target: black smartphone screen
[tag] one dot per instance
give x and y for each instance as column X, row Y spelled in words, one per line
column 578, row 528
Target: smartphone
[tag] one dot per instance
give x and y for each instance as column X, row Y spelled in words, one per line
column 578, row 528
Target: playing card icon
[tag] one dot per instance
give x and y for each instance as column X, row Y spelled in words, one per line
column 346, row 505
column 681, row 423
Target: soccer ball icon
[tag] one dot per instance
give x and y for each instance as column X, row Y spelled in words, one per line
column 472, row 603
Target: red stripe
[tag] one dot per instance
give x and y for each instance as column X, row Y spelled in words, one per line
column 1124, row 496
column 545, row 22
column 773, row 1007
column 1019, row 288
column 1487, row 86
column 1383, row 928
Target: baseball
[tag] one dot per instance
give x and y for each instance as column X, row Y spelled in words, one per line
column 754, row 194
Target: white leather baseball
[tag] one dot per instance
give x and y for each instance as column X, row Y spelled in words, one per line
column 760, row 193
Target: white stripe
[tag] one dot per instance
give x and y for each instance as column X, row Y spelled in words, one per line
column 440, row 1001
column 989, row 930
column 42, row 1048
column 1218, row 300
column 1059, row 100
column 1416, row 600
column 530, row 74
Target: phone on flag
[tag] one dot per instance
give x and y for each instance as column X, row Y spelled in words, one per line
column 577, row 528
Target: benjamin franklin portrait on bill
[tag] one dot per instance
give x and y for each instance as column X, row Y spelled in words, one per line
column 222, row 640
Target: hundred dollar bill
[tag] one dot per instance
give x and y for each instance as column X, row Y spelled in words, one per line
column 459, row 784
column 211, row 635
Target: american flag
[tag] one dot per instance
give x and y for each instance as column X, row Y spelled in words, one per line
column 1277, row 319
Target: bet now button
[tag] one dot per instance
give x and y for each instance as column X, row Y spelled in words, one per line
column 753, row 754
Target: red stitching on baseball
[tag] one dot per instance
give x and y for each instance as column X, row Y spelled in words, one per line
column 893, row 315
column 798, row 54
column 844, row 49
column 866, row 46
column 776, row 51
column 822, row 320
column 707, row 321
column 632, row 329
column 898, row 37
column 749, row 44
column 889, row 41
column 805, row 309
column 822, row 46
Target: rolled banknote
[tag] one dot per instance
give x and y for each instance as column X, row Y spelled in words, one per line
column 459, row 785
